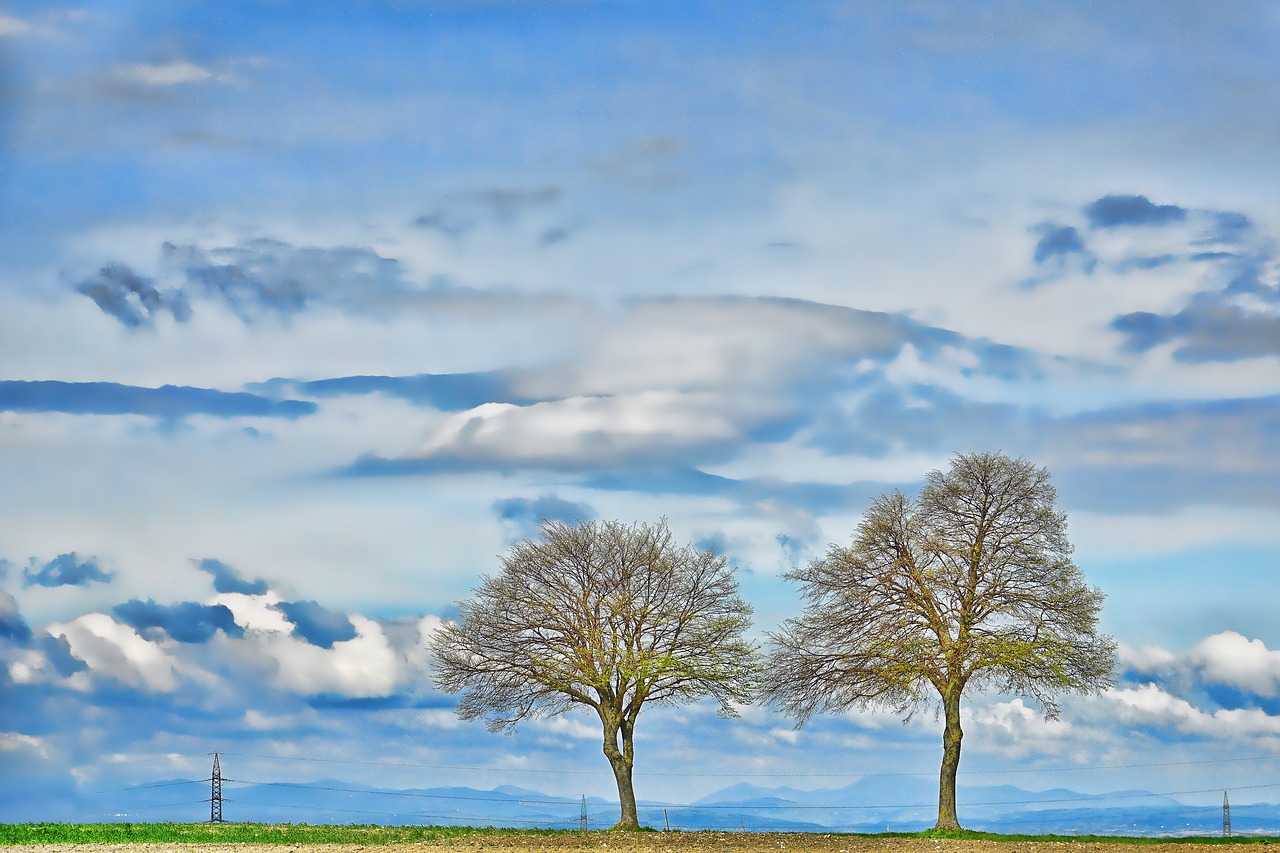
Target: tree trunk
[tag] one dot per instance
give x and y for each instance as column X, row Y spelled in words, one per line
column 951, row 736
column 622, row 759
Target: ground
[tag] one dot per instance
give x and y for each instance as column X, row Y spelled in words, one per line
column 673, row 842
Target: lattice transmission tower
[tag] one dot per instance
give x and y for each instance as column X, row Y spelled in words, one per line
column 583, row 820
column 215, row 792
column 1226, row 816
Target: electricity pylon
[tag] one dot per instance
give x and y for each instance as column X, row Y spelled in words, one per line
column 215, row 792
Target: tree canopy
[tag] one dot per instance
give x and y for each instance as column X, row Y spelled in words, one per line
column 970, row 586
column 604, row 616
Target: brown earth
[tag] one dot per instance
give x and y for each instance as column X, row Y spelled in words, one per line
column 675, row 842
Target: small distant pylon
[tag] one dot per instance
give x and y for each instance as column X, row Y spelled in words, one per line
column 583, row 820
column 1226, row 816
column 215, row 792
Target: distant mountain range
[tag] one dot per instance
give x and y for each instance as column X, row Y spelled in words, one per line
column 872, row 804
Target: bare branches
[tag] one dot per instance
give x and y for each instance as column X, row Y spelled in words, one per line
column 972, row 583
column 603, row 615
column 969, row 586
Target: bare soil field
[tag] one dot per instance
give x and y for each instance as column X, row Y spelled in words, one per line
column 675, row 842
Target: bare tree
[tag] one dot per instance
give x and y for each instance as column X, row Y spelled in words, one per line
column 969, row 587
column 601, row 615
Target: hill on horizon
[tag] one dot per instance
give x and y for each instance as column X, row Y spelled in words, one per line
column 871, row 804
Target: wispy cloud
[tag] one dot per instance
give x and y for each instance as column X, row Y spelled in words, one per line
column 1235, row 317
column 460, row 213
column 132, row 299
column 447, row 392
column 11, row 26
column 255, row 279
column 167, row 402
column 1235, row 312
column 174, row 73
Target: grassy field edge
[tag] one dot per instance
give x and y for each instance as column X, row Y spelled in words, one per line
column 22, row 834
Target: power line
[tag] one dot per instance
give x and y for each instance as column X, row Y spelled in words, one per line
column 1101, row 766
column 417, row 794
column 164, row 805
column 145, row 787
column 429, row 816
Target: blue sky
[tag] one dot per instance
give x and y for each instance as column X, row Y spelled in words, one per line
column 306, row 314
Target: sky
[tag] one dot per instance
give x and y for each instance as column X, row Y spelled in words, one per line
column 309, row 311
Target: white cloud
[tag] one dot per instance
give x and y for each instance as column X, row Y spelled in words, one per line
column 419, row 654
column 1120, row 535
column 16, row 741
column 112, row 479
column 1227, row 658
column 1236, row 661
column 714, row 343
column 1248, row 722
column 163, row 74
column 32, row 666
column 438, row 718
column 751, row 740
column 25, row 670
column 795, row 460
column 75, row 341
column 10, row 26
column 565, row 726
column 881, row 719
column 260, row 721
column 578, row 430
column 364, row 666
column 58, row 27
column 1017, row 730
column 788, row 736
column 172, row 758
column 255, row 612
column 1150, row 705
column 119, row 652
column 1145, row 658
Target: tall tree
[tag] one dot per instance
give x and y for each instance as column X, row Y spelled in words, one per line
column 968, row 587
column 604, row 616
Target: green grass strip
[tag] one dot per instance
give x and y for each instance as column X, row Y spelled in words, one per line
column 224, row 833
column 966, row 834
